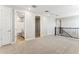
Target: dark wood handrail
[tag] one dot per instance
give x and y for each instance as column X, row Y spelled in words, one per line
column 68, row 27
column 67, row 33
column 62, row 30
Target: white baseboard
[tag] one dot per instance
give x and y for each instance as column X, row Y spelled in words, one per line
column 29, row 39
column 13, row 42
column 38, row 37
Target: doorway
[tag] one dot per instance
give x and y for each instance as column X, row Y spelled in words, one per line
column 37, row 26
column 19, row 26
column 59, row 25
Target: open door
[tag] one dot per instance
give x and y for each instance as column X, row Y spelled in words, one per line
column 37, row 26
column 19, row 26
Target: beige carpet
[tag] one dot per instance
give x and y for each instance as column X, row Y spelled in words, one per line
column 19, row 39
column 44, row 45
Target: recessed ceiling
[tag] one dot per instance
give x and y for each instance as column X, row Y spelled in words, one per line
column 61, row 10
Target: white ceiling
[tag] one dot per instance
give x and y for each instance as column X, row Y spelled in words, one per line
column 61, row 10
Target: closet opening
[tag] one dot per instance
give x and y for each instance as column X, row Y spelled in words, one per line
column 19, row 26
column 37, row 26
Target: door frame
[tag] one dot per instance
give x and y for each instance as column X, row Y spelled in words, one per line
column 15, row 24
column 39, row 26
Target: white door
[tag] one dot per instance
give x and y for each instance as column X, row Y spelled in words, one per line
column 5, row 25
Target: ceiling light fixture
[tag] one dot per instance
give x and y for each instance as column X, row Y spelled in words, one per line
column 46, row 11
column 29, row 8
column 57, row 15
column 34, row 6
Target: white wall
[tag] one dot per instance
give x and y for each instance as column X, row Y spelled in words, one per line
column 47, row 24
column 70, row 21
column 6, row 24
column 29, row 25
